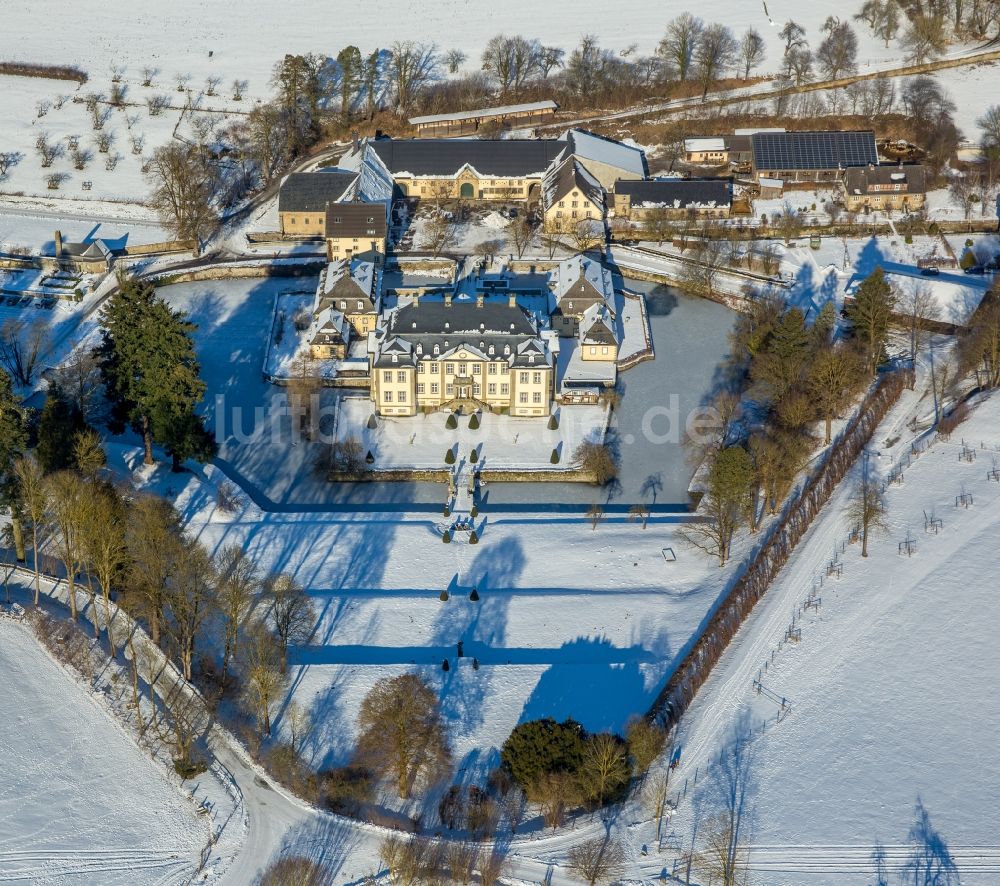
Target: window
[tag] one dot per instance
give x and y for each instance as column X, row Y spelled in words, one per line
column 504, row 369
column 506, row 350
column 435, row 388
column 604, row 350
column 593, row 351
column 387, row 376
column 492, row 350
column 293, row 219
column 558, row 213
column 420, row 387
column 387, row 396
column 491, row 390
column 401, row 375
column 449, row 368
column 361, row 305
column 434, row 366
column 504, row 390
column 343, row 306
column 523, row 378
column 336, row 219
column 477, row 369
column 477, row 390
column 536, row 378
column 421, row 367
column 569, row 305
column 437, row 350
column 402, row 396
column 449, row 390
column 492, row 369
column 522, row 397
column 574, row 206
column 535, row 398
column 562, row 203
column 574, row 213
column 462, row 370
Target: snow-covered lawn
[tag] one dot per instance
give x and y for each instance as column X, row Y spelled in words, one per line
column 502, row 441
column 892, row 687
column 79, row 802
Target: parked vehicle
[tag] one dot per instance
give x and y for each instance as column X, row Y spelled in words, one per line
column 978, row 270
column 930, row 272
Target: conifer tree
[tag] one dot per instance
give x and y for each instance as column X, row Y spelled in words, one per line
column 151, row 373
column 13, row 442
column 870, row 312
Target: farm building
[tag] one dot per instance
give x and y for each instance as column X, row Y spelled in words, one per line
column 471, row 122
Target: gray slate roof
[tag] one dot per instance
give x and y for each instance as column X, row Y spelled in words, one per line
column 311, row 191
column 677, row 192
column 356, row 220
column 913, row 179
column 813, row 150
column 445, row 157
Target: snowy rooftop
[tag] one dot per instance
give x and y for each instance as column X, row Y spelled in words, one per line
column 588, row 146
column 695, row 145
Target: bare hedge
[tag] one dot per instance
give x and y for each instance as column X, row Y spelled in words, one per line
column 45, row 72
column 774, row 551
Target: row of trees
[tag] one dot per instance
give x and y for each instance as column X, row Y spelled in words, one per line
column 800, row 374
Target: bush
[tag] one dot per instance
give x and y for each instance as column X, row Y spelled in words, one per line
column 474, row 512
column 372, row 422
column 908, row 239
column 189, row 767
column 451, row 423
column 542, row 746
column 347, row 789
column 554, row 458
column 443, row 596
column 296, row 870
column 445, row 666
column 446, row 538
column 446, row 511
column 968, row 242
column 474, row 456
column 948, row 423
column 473, row 537
column 449, row 457
column 369, row 458
column 474, row 422
column 474, row 596
column 553, row 422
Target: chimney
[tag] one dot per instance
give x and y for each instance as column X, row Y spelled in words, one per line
column 511, row 300
column 416, row 299
column 479, row 300
column 59, row 245
column 447, row 299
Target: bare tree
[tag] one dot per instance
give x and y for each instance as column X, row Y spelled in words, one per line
column 793, row 34
column 586, row 235
column 838, row 53
column 604, row 769
column 924, row 39
column 725, row 858
column 511, row 61
column 920, row 308
column 411, row 67
column 716, row 51
column 189, row 601
column 401, row 732
column 104, row 548
column 599, row 858
column 262, row 679
column 69, row 510
column 48, row 151
column 291, row 613
column 8, row 160
column 236, row 588
column 33, row 498
column 751, row 51
column 153, row 537
column 441, row 231
column 867, row 508
column 646, row 741
column 21, row 346
column 184, row 182
column 597, row 459
column 520, row 233
column 639, row 513
column 454, row 59
column 295, row 870
column 156, row 104
column 679, row 43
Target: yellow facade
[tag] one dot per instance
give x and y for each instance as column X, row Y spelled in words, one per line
column 438, row 381
column 303, row 224
column 575, row 207
column 600, row 353
column 338, row 248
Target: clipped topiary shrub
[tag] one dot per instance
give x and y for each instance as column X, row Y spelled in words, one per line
column 474, row 422
column 445, row 666
column 474, row 512
column 449, row 457
column 475, row 664
column 446, row 538
column 474, row 596
column 451, row 423
column 372, row 422
column 446, row 511
column 474, row 456
column 554, row 458
column 473, row 537
column 370, row 458
column 553, row 422
column 443, row 596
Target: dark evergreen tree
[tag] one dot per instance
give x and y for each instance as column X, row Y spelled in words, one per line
column 151, row 373
column 58, row 426
column 539, row 747
column 13, row 442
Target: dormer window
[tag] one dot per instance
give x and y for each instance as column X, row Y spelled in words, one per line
column 492, row 350
column 420, row 349
column 531, row 358
column 437, row 350
column 395, row 358
column 506, row 350
column 343, row 306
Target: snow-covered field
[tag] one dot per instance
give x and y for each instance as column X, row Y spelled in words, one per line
column 80, row 804
column 891, row 688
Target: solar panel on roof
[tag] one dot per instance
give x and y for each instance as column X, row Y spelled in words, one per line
column 813, row 150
